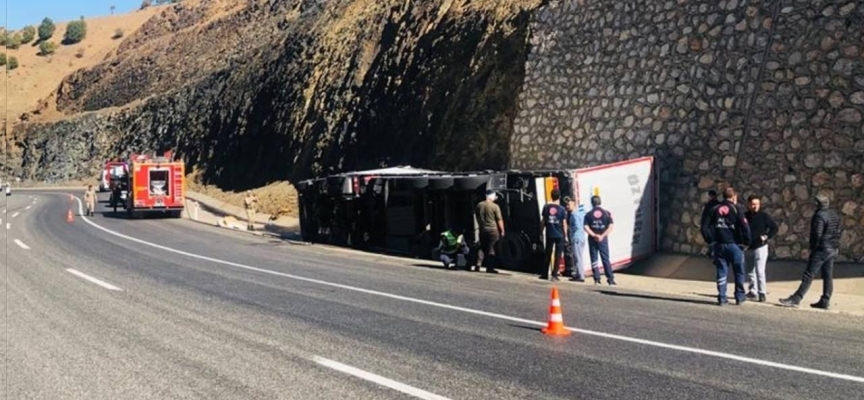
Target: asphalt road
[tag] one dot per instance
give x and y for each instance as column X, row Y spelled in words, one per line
column 171, row 309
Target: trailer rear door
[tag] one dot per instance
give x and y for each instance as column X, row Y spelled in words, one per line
column 628, row 190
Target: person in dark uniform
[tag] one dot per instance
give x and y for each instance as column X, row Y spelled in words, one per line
column 706, row 210
column 727, row 231
column 555, row 227
column 824, row 247
column 599, row 225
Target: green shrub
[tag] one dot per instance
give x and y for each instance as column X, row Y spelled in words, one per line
column 13, row 41
column 2, row 59
column 28, row 34
column 76, row 31
column 47, row 48
column 12, row 63
column 46, row 29
column 145, row 4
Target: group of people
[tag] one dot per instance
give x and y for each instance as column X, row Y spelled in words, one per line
column 566, row 227
column 738, row 239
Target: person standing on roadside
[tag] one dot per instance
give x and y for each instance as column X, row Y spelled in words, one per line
column 599, row 225
column 491, row 224
column 706, row 210
column 575, row 218
column 762, row 228
column 555, row 228
column 824, row 246
column 727, row 230
column 251, row 205
column 90, row 200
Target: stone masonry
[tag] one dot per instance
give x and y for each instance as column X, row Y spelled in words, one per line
column 765, row 95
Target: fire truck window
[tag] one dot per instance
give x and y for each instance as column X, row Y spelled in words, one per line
column 159, row 185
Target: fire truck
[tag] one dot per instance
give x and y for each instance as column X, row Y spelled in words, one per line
column 114, row 172
column 154, row 185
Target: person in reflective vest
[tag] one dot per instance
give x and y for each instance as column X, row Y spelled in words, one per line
column 450, row 248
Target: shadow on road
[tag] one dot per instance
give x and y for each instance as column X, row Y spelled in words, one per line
column 656, row 297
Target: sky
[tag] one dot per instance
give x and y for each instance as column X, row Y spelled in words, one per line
column 16, row 14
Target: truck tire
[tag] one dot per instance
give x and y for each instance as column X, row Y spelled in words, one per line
column 514, row 252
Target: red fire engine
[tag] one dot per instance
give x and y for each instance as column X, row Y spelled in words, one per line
column 156, row 184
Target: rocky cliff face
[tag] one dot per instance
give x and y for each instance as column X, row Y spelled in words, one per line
column 290, row 89
column 765, row 95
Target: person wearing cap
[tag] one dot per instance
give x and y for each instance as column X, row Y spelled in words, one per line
column 727, row 230
column 491, row 225
column 599, row 225
column 251, row 205
column 575, row 215
column 555, row 228
column 825, row 233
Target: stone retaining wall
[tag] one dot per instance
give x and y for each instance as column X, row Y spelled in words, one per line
column 765, row 95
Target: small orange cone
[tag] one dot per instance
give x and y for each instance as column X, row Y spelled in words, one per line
column 69, row 217
column 556, row 319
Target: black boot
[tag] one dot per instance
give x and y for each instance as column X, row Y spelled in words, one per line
column 821, row 304
column 761, row 297
column 791, row 301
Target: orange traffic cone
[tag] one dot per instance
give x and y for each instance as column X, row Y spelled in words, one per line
column 556, row 319
column 69, row 217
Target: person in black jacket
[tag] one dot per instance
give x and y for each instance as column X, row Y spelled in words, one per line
column 824, row 247
column 762, row 228
column 727, row 232
column 706, row 210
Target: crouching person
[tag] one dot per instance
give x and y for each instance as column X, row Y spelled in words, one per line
column 452, row 249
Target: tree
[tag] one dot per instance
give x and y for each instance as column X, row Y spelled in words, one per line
column 28, row 34
column 76, row 31
column 13, row 41
column 145, row 4
column 112, row 9
column 46, row 29
column 2, row 59
column 3, row 34
column 47, row 48
column 12, row 63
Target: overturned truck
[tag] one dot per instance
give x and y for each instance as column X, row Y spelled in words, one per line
column 403, row 210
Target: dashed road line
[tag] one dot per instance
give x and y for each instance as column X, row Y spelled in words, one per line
column 378, row 379
column 21, row 244
column 94, row 280
column 15, row 215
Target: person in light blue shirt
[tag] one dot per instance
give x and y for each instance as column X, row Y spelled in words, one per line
column 578, row 238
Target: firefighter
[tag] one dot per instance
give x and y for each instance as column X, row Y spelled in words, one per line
column 728, row 233
column 90, row 200
column 598, row 225
column 251, row 205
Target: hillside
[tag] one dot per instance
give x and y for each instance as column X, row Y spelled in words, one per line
column 263, row 91
column 37, row 77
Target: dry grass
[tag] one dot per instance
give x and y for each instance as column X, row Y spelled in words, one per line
column 273, row 198
column 37, row 76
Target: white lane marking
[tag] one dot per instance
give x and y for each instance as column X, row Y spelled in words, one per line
column 8, row 226
column 15, row 215
column 92, row 279
column 21, row 244
column 694, row 350
column 359, row 373
column 27, row 208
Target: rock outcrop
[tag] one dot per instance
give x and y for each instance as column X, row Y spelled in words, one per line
column 764, row 95
column 290, row 89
